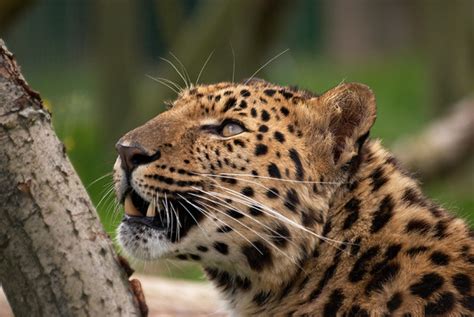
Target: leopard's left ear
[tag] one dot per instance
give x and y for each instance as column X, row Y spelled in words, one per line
column 349, row 111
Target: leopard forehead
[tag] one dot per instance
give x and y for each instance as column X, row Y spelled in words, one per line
column 257, row 86
column 256, row 99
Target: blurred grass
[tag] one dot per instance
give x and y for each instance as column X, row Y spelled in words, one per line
column 398, row 82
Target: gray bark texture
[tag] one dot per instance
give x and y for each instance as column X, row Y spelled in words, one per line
column 55, row 258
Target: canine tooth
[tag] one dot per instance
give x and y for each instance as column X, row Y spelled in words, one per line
column 130, row 208
column 150, row 212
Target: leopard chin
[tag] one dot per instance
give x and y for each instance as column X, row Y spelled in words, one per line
column 143, row 242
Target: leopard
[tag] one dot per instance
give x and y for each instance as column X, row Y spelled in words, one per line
column 289, row 206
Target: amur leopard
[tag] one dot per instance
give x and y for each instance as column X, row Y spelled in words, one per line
column 289, row 206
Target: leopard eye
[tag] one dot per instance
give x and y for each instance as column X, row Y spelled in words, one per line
column 231, row 129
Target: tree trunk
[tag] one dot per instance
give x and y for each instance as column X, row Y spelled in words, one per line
column 55, row 258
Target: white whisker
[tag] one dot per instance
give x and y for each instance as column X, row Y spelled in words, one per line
column 189, row 83
column 233, row 61
column 255, row 232
column 163, row 83
column 265, row 65
column 201, row 209
column 105, row 197
column 270, row 178
column 176, row 69
column 171, row 83
column 99, row 178
column 178, row 223
column 278, row 215
column 230, row 206
column 252, row 182
column 197, row 222
column 203, row 66
column 168, row 221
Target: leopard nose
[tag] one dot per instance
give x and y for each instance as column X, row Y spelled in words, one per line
column 134, row 155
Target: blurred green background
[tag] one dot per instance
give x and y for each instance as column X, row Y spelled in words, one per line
column 89, row 60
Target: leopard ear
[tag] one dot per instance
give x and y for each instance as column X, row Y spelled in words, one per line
column 349, row 111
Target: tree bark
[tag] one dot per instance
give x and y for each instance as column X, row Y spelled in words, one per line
column 55, row 258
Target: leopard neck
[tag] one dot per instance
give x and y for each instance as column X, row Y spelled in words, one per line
column 250, row 293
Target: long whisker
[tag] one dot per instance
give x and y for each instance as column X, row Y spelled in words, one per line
column 105, row 196
column 265, row 65
column 264, row 209
column 202, row 210
column 209, row 216
column 176, row 69
column 270, row 178
column 112, row 208
column 189, row 84
column 171, row 83
column 163, row 83
column 117, row 210
column 224, row 223
column 227, row 205
column 99, row 178
column 276, row 214
column 204, row 66
column 222, row 175
column 252, row 182
column 169, row 204
column 233, row 61
column 167, row 213
column 178, row 225
column 197, row 222
column 254, row 231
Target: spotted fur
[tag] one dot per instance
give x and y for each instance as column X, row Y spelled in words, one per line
column 298, row 214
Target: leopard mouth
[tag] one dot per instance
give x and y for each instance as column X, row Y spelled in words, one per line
column 171, row 216
column 141, row 212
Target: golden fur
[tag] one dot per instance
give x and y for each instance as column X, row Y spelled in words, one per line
column 301, row 214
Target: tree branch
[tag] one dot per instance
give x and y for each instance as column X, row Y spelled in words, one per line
column 442, row 145
column 55, row 258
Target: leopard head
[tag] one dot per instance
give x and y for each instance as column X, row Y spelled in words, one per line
column 238, row 175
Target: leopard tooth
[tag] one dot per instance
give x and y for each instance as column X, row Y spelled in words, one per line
column 129, row 208
column 151, row 211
